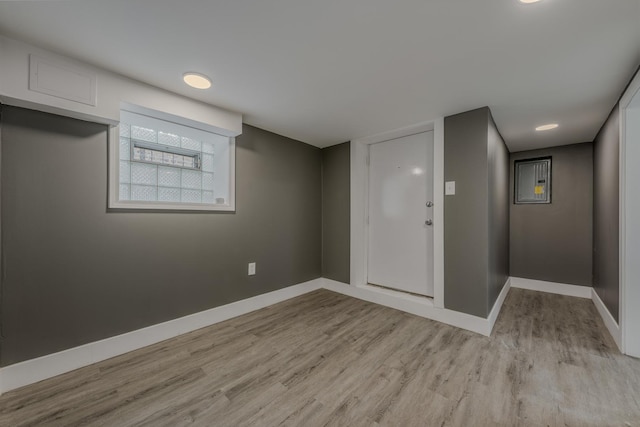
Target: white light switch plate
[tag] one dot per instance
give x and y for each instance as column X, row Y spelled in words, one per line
column 252, row 269
column 450, row 188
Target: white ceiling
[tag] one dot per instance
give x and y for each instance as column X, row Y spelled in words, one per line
column 329, row 71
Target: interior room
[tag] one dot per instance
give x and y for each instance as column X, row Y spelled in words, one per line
column 414, row 213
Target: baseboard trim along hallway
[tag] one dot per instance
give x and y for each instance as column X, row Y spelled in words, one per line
column 609, row 322
column 497, row 307
column 41, row 368
column 325, row 359
column 574, row 291
column 50, row 365
column 552, row 287
column 422, row 307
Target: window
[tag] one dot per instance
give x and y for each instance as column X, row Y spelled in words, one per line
column 164, row 164
column 533, row 181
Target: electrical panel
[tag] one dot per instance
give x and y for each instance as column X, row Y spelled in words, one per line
column 533, row 181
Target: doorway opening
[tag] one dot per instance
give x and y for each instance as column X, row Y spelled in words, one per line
column 428, row 296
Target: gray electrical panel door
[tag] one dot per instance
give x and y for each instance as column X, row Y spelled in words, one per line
column 533, row 181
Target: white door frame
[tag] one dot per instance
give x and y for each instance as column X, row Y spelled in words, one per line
column 360, row 204
column 629, row 230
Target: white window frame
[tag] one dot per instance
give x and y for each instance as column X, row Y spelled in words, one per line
column 114, row 167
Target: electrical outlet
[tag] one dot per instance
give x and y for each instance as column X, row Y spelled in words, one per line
column 252, row 269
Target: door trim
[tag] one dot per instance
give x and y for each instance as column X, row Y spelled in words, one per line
column 360, row 203
column 628, row 247
column 383, row 267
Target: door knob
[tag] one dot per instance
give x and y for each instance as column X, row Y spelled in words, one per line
column 429, row 204
column 428, row 222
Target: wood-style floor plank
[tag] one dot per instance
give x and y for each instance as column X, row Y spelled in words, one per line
column 324, row 359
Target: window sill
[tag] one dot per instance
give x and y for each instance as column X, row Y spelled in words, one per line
column 164, row 206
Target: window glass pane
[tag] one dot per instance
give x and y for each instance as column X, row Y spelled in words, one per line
column 168, row 177
column 207, row 162
column 124, row 191
column 125, row 149
column 168, row 162
column 142, row 173
column 192, row 196
column 191, row 179
column 207, row 147
column 168, row 194
column 191, row 144
column 125, row 129
column 207, row 181
column 207, row 197
column 144, row 192
column 143, row 134
column 169, row 139
column 125, row 172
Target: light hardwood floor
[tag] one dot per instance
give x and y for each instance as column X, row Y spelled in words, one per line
column 327, row 359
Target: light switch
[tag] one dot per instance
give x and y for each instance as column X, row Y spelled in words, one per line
column 450, row 188
column 252, row 269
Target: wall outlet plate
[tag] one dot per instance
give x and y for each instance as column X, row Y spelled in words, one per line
column 252, row 269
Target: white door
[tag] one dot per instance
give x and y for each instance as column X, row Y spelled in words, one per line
column 400, row 253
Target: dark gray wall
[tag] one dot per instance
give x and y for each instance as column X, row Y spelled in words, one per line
column 75, row 273
column 466, row 231
column 498, row 175
column 336, row 212
column 553, row 242
column 606, row 199
column 476, row 227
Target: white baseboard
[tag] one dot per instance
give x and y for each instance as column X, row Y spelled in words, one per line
column 497, row 306
column 552, row 287
column 34, row 370
column 609, row 322
column 419, row 306
column 41, row 368
column 574, row 291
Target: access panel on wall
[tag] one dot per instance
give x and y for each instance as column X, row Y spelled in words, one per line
column 400, row 249
column 533, row 181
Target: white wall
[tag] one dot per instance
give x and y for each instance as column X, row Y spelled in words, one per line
column 112, row 89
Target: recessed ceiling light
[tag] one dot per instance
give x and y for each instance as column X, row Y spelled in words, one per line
column 529, row 1
column 197, row 80
column 547, row 127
